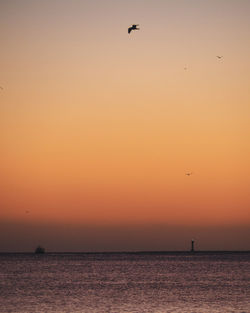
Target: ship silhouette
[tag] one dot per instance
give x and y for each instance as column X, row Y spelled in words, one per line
column 40, row 250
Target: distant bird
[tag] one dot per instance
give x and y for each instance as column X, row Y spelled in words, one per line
column 133, row 27
column 219, row 56
column 27, row 211
column 189, row 174
column 185, row 68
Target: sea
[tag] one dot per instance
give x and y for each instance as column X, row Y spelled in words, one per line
column 125, row 282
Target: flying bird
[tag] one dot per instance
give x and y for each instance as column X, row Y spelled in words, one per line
column 133, row 27
column 219, row 56
column 189, row 174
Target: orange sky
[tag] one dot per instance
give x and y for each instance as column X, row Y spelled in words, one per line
column 98, row 127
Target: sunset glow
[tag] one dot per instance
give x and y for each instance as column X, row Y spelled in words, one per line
column 99, row 128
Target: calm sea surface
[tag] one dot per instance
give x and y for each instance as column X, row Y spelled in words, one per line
column 114, row 283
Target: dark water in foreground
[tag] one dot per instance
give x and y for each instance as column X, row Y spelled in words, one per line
column 125, row 283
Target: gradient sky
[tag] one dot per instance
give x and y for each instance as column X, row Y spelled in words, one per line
column 98, row 127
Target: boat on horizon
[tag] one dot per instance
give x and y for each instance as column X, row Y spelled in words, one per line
column 39, row 250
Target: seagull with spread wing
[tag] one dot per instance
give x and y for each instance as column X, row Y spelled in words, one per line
column 133, row 27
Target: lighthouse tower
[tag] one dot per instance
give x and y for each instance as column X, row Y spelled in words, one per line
column 192, row 245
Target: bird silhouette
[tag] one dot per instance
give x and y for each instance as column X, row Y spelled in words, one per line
column 219, row 56
column 133, row 27
column 189, row 174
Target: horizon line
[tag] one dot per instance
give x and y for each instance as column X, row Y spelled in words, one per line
column 134, row 252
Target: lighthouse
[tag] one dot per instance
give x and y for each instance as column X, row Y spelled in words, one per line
column 192, row 245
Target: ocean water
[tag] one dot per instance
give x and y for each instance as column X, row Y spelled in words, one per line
column 114, row 283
